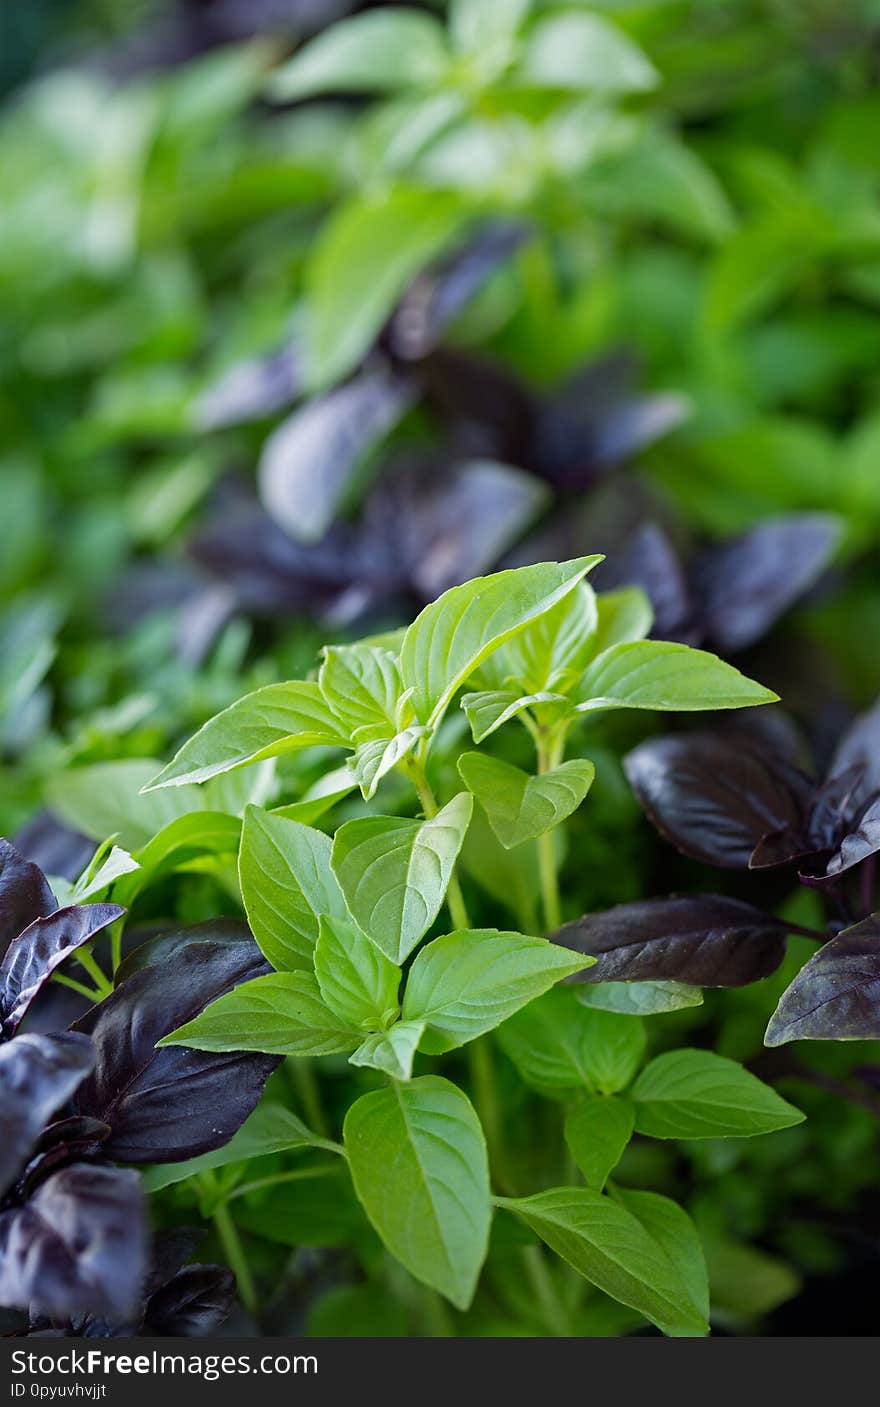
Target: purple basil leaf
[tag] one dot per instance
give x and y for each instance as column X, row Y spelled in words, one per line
column 704, row 940
column 77, row 1246
column 24, row 894
column 194, row 1302
column 715, row 796
column 487, row 411
column 745, row 585
column 860, row 747
column 55, row 848
column 438, row 295
column 308, row 462
column 836, row 994
column 445, row 525
column 33, row 956
column 166, row 1105
column 250, row 391
column 636, row 423
column 648, row 559
column 38, row 1074
column 858, row 845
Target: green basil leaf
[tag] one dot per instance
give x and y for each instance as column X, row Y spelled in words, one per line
column 321, row 797
column 377, row 752
column 280, row 1014
column 357, row 981
column 597, row 1131
column 418, row 1161
column 697, row 1094
column 606, row 1244
column 640, row 998
column 622, row 616
column 671, row 1227
column 612, row 1048
column 366, row 254
column 488, row 709
column 394, row 872
column 277, row 719
column 573, row 51
column 361, row 683
column 556, row 646
column 547, row 1043
column 520, row 806
column 468, row 982
column 380, row 51
column 286, row 884
column 660, row 674
column 392, row 1050
column 270, row 1129
column 452, row 636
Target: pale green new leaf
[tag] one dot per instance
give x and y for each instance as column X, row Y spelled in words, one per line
column 108, row 865
column 280, row 1014
column 478, row 25
column 468, row 982
column 622, row 616
column 639, row 998
column 451, row 637
column 357, row 980
column 606, row 1244
column 380, row 51
column 106, row 799
column 184, row 841
column 418, row 1161
column 286, row 885
column 557, row 646
column 361, row 683
column 365, row 256
column 394, row 872
column 321, row 797
column 520, row 806
column 488, row 709
column 276, row 719
column 577, row 52
column 391, row 1051
column 377, row 753
column 660, row 674
column 270, row 1129
column 697, row 1094
column 612, row 1048
column 597, row 1131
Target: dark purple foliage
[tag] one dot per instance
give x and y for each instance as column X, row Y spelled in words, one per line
column 33, row 956
column 38, row 1074
column 836, row 995
column 706, row 940
column 174, row 1103
column 24, row 894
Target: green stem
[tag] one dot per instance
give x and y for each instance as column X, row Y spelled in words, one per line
column 549, row 756
column 75, row 986
column 488, row 1106
column 234, row 1251
column 553, row 1311
column 298, row 1175
column 309, row 1091
column 116, row 946
column 87, row 960
column 436, row 1316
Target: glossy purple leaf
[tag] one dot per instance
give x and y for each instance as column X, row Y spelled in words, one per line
column 860, row 748
column 648, row 559
column 309, row 461
column 704, row 940
column 836, row 994
column 486, row 409
column 24, row 894
column 170, row 1104
column 77, row 1246
column 743, row 586
column 193, row 1302
column 637, row 422
column 33, row 956
column 438, row 295
column 38, row 1074
column 715, row 796
column 857, row 845
column 250, row 391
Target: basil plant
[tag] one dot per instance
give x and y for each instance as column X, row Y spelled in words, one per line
column 376, row 962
